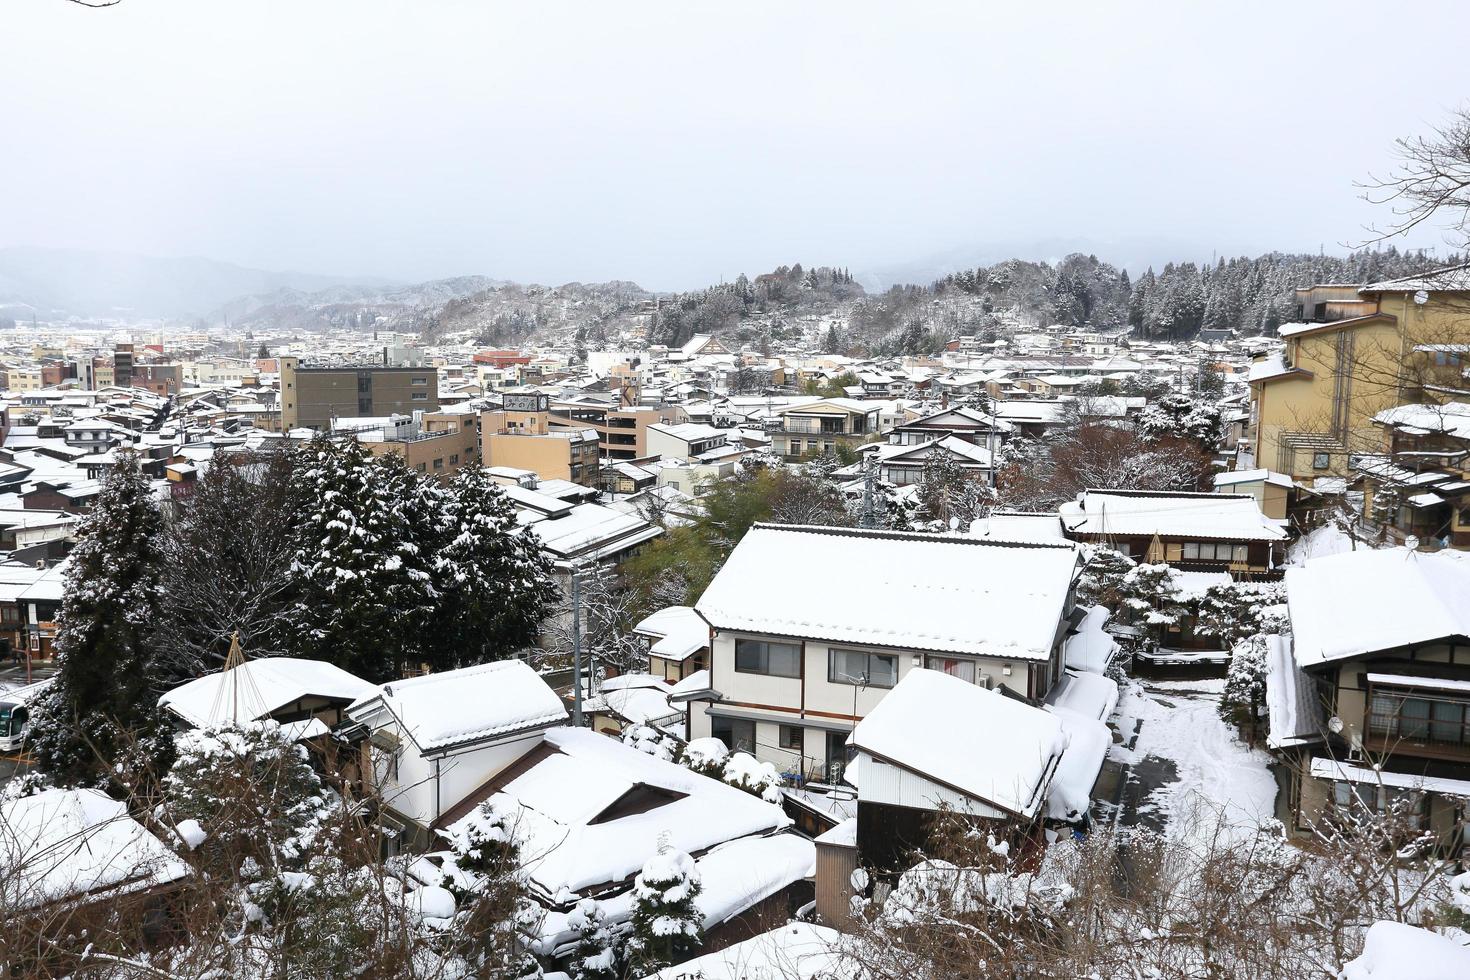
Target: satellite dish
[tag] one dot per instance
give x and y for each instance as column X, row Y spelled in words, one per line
column 1334, row 725
column 1421, row 297
column 859, row 879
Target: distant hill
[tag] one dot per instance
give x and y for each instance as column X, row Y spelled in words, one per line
column 74, row 282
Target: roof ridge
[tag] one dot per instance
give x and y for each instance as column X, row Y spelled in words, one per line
column 881, row 534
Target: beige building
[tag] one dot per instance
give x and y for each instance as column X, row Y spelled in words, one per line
column 622, row 432
column 312, row 397
column 1355, row 353
column 527, row 441
column 446, row 443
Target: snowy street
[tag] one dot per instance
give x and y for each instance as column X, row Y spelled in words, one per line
column 1179, row 769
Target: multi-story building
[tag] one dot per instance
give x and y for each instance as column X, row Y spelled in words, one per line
column 1357, row 353
column 622, row 431
column 312, row 397
column 817, row 427
column 527, row 441
column 1372, row 708
column 811, row 627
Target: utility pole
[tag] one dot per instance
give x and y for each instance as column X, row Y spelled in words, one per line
column 576, row 649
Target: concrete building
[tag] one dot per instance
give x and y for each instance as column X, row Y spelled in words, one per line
column 312, row 397
column 526, row 441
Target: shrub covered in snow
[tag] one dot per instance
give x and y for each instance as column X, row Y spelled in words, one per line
column 596, row 955
column 744, row 771
column 666, row 926
column 706, row 756
column 651, row 741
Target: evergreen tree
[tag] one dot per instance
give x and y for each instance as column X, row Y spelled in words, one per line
column 596, row 955
column 363, row 568
column 495, row 582
column 104, row 699
column 667, row 927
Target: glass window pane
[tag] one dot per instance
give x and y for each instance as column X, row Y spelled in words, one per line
column 750, row 655
column 963, row 669
column 1414, row 719
column 785, row 659
column 1191, row 549
column 882, row 670
column 1242, row 552
column 1446, row 726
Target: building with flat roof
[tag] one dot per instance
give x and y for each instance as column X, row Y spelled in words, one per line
column 312, row 397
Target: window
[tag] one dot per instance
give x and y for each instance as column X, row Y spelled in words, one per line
column 454, row 459
column 737, row 733
column 439, row 463
column 766, row 657
column 789, row 737
column 963, row 669
column 420, row 396
column 1215, row 551
column 1380, row 798
column 858, row 667
column 1419, row 719
column 420, row 381
column 1321, row 461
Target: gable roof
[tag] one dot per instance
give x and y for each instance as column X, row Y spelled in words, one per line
column 473, row 704
column 1361, row 602
column 256, row 688
column 1218, row 516
column 994, row 748
column 895, row 589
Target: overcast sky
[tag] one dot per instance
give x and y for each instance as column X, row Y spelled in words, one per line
column 675, row 144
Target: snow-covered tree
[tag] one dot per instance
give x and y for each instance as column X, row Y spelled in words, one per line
column 596, row 955
column 489, row 883
column 1179, row 416
column 1101, row 581
column 666, row 926
column 495, row 581
column 1245, row 684
column 102, row 705
column 363, row 570
column 1151, row 597
column 228, row 564
column 243, row 792
column 1234, row 611
column 744, row 771
column 948, row 496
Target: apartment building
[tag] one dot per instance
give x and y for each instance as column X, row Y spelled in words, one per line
column 817, row 427
column 1356, row 353
column 622, row 432
column 527, row 441
column 312, row 397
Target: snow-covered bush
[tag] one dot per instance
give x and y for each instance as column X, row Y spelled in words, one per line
column 250, row 792
column 596, row 955
column 706, row 756
column 744, row 771
column 666, row 925
column 651, row 741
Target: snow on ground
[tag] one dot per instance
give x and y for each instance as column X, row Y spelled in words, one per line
column 1220, row 784
column 1325, row 540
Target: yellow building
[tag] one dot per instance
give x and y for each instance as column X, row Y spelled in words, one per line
column 526, row 441
column 1355, row 354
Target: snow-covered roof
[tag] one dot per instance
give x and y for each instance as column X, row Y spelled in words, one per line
column 981, row 743
column 1273, row 365
column 66, row 843
column 257, row 688
column 1454, row 278
column 1332, row 769
column 678, row 632
column 558, row 800
column 795, row 951
column 1291, row 704
column 592, row 531
column 640, row 699
column 1222, row 516
column 1396, row 951
column 1018, row 526
column 1091, row 647
column 472, row 704
column 1360, row 602
column 1232, row 478
column 1088, row 740
column 1451, row 419
column 914, row 591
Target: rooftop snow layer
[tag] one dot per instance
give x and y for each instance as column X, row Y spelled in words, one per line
column 1359, row 602
column 993, row 748
column 1229, row 517
column 445, row 709
column 915, row 591
column 257, row 688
